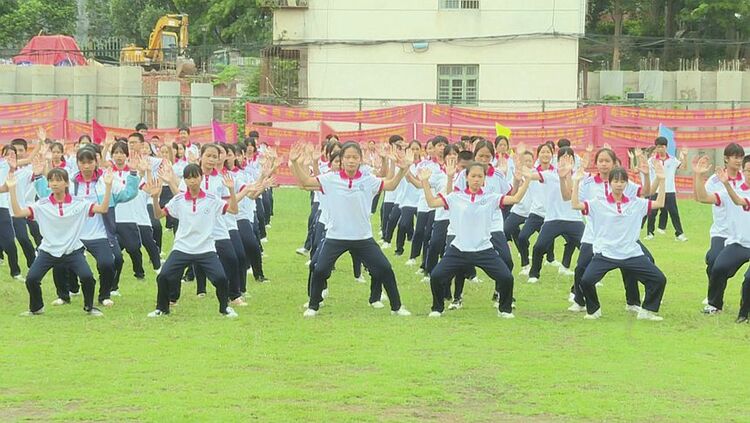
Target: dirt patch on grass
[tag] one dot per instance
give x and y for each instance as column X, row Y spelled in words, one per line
column 27, row 411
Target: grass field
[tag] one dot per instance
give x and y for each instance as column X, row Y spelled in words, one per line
column 353, row 363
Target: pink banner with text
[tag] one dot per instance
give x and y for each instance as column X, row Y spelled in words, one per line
column 389, row 116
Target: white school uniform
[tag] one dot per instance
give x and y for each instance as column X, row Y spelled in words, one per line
column 25, row 191
column 133, row 210
column 510, row 163
column 556, row 208
column 721, row 226
column 349, row 201
column 593, row 187
column 671, row 164
column 198, row 216
column 61, row 223
column 738, row 217
column 617, row 225
column 435, row 168
column 471, row 217
column 212, row 183
column 230, row 220
column 178, row 167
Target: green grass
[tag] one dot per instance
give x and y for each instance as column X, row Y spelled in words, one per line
column 353, row 363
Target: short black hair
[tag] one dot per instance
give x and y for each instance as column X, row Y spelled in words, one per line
column 745, row 160
column 501, row 138
column 563, row 142
column 137, row 135
column 439, row 140
column 58, row 173
column 141, row 126
column 86, row 154
column 184, row 128
column 393, row 139
column 20, row 141
column 120, row 146
column 661, row 141
column 734, row 150
column 482, row 143
column 565, row 151
column 465, row 155
column 451, row 148
column 192, row 171
column 254, row 134
column 9, row 147
column 618, row 174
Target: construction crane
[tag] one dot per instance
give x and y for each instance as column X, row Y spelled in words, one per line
column 167, row 47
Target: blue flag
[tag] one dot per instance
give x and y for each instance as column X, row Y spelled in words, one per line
column 669, row 135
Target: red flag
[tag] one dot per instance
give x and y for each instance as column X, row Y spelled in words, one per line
column 219, row 134
column 98, row 133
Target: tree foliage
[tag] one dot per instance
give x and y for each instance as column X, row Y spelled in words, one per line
column 22, row 19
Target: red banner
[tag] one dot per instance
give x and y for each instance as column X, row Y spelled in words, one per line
column 377, row 135
column 27, row 131
column 579, row 137
column 626, row 138
column 637, row 117
column 392, row 115
column 35, row 111
column 199, row 134
column 449, row 115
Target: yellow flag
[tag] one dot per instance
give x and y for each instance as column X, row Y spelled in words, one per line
column 502, row 130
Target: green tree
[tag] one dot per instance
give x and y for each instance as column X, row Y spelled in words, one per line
column 719, row 19
column 22, row 19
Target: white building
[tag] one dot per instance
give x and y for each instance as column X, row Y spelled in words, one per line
column 452, row 51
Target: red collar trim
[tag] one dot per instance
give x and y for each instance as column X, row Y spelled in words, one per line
column 62, row 164
column 467, row 191
column 666, row 157
column 506, row 156
column 117, row 169
column 745, row 186
column 67, row 200
column 737, row 178
column 491, row 170
column 598, row 179
column 611, row 199
column 181, row 159
column 344, row 175
column 214, row 172
column 539, row 168
column 188, row 196
column 97, row 174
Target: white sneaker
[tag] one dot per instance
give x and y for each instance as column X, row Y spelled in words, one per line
column 633, row 308
column 660, row 231
column 108, row 303
column 250, row 271
column 711, row 310
column 649, row 237
column 59, row 302
column 28, row 313
column 401, row 312
column 525, row 270
column 307, row 263
column 648, row 315
column 426, row 279
column 599, row 284
column 156, row 271
column 310, row 313
column 324, row 294
column 456, row 305
column 264, row 240
column 75, row 294
column 419, row 271
column 505, row 315
column 385, row 245
column 575, row 308
column 377, row 305
column 553, row 263
column 201, row 295
column 533, row 280
column 239, row 302
column 302, row 251
column 565, row 271
column 571, row 297
column 156, row 313
column 115, row 293
column 19, row 277
column 360, row 279
column 595, row 315
column 411, row 262
column 705, row 301
column 95, row 312
column 268, row 226
column 681, row 238
column 475, row 279
column 435, row 314
column 231, row 314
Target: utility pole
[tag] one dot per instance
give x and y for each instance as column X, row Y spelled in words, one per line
column 82, row 24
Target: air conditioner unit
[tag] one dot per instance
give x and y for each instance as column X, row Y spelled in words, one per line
column 635, row 96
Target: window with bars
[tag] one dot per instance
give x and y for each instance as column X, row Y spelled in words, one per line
column 458, row 84
column 459, row 4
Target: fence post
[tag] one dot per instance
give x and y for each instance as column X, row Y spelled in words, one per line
column 360, row 109
column 544, row 105
column 87, row 108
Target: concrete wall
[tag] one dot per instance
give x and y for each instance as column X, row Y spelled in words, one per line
column 105, row 86
column 518, row 69
column 710, row 89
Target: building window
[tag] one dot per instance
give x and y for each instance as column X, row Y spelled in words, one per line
column 458, row 84
column 459, row 4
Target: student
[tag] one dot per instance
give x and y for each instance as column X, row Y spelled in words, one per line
column 198, row 212
column 519, row 212
column 183, row 137
column 472, row 212
column 61, row 220
column 736, row 252
column 26, row 195
column 720, row 228
column 670, row 164
column 391, row 219
column 597, row 186
column 7, row 233
column 616, row 222
column 408, row 203
column 349, row 229
column 317, row 166
column 97, row 232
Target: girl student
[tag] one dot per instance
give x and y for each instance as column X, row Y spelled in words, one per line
column 7, row 233
column 246, row 222
column 425, row 215
column 61, row 220
column 316, row 166
column 472, row 212
column 597, row 186
column 720, row 228
column 97, row 235
column 198, row 211
column 389, row 206
column 736, row 251
column 537, row 211
column 519, row 212
column 408, row 203
column 132, row 222
column 560, row 220
column 26, row 193
column 351, row 193
column 616, row 223
column 670, row 164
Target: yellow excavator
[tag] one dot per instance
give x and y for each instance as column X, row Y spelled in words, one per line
column 167, row 47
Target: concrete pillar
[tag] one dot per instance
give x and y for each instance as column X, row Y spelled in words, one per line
column 7, row 84
column 728, row 88
column 651, row 83
column 85, row 88
column 108, row 90
column 23, row 84
column 592, row 87
column 64, row 85
column 670, row 87
column 688, row 86
column 201, row 108
column 709, row 91
column 611, row 84
column 42, row 82
column 130, row 102
column 168, row 104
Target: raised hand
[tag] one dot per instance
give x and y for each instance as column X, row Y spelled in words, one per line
column 295, row 152
column 642, row 164
column 450, row 166
column 585, row 160
column 192, row 157
column 37, row 166
column 565, row 166
column 589, row 148
column 722, row 174
column 659, row 169
column 11, row 181
column 152, row 188
column 406, row 160
column 228, row 182
column 502, row 164
column 385, row 150
column 606, row 145
column 579, row 175
column 41, row 134
column 524, row 172
column 269, row 182
column 520, row 148
column 109, row 176
column 702, row 165
column 683, row 154
column 166, row 174
column 424, row 174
